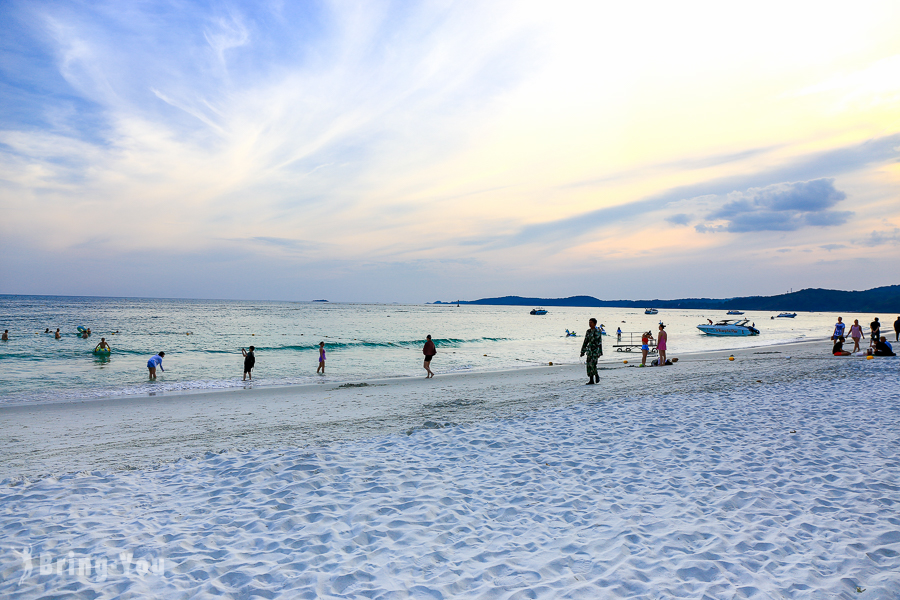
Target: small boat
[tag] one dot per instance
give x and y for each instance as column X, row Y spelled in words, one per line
column 651, row 311
column 538, row 311
column 787, row 315
column 734, row 312
column 729, row 327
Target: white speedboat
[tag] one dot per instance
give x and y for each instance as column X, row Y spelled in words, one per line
column 787, row 315
column 651, row 311
column 729, row 327
column 734, row 312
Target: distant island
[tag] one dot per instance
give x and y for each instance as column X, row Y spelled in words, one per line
column 881, row 299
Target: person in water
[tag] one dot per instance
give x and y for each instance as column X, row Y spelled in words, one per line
column 661, row 344
column 593, row 347
column 155, row 361
column 429, row 351
column 47, row 330
column 856, row 333
column 5, row 336
column 838, row 329
column 897, row 330
column 102, row 345
column 838, row 349
column 249, row 363
column 57, row 335
column 321, row 368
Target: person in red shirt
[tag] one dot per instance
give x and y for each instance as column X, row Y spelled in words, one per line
column 645, row 347
column 429, row 352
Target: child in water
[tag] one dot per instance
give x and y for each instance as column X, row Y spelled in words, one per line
column 321, row 368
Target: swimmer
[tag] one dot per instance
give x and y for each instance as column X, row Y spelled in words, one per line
column 155, row 361
column 5, row 336
column 47, row 330
column 102, row 345
column 57, row 335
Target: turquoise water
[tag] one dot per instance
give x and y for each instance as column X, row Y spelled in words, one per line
column 202, row 340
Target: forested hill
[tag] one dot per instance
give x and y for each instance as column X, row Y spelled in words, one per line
column 882, row 299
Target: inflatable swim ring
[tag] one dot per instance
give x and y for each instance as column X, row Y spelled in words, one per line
column 80, row 329
column 102, row 352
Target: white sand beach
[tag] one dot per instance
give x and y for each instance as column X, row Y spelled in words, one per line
column 776, row 475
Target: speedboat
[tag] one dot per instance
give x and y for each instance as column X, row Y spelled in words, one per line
column 651, row 311
column 538, row 311
column 729, row 327
column 788, row 315
column 734, row 312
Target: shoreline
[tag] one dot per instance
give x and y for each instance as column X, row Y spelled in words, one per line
column 608, row 358
column 142, row 431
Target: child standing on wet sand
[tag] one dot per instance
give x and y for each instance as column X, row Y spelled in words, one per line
column 249, row 363
column 321, row 368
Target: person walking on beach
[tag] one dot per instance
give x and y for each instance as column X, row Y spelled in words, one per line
column 874, row 331
column 429, row 351
column 856, row 333
column 661, row 344
column 249, row 363
column 321, row 368
column 838, row 329
column 897, row 330
column 619, row 334
column 155, row 361
column 593, row 347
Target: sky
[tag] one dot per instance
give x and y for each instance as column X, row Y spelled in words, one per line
column 419, row 151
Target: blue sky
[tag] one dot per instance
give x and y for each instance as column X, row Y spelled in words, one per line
column 414, row 152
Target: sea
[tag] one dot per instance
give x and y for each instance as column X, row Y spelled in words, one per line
column 203, row 339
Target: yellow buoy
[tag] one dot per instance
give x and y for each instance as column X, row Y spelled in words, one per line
column 730, row 358
column 550, row 363
column 870, row 357
column 624, row 362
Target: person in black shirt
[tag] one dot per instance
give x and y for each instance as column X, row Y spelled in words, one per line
column 882, row 349
column 838, row 349
column 249, row 362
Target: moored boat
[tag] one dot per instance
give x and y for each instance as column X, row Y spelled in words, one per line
column 651, row 311
column 734, row 312
column 538, row 311
column 729, row 327
column 788, row 315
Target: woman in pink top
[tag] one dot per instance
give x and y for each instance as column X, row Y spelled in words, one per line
column 856, row 333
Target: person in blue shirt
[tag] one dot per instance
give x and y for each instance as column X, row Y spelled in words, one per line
column 838, row 329
column 155, row 361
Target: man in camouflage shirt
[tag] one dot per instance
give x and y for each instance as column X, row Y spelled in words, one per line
column 593, row 347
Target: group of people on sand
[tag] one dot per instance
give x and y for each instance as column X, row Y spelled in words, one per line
column 592, row 348
column 878, row 344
